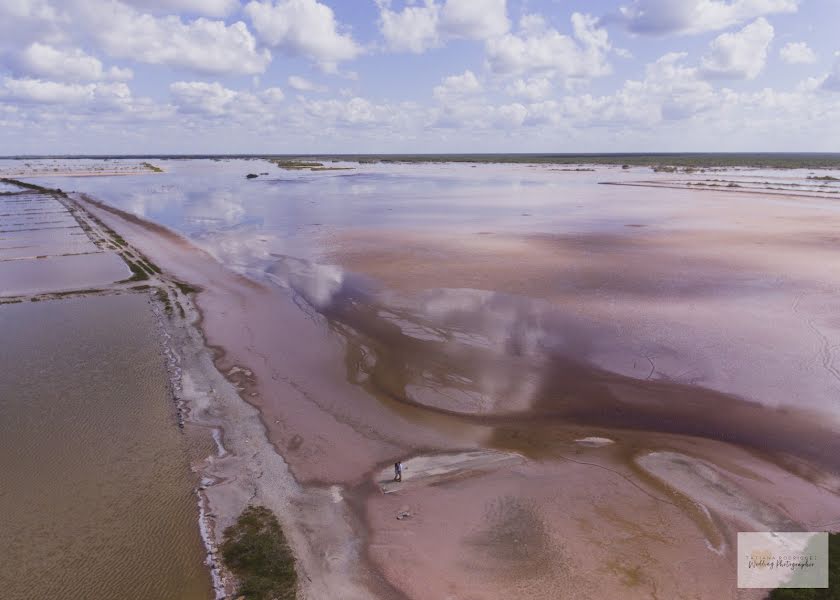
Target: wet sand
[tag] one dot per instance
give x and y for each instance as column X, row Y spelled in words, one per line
column 657, row 341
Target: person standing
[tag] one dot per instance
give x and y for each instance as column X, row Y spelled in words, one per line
column 398, row 468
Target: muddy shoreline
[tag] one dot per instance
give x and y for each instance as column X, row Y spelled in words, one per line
column 310, row 457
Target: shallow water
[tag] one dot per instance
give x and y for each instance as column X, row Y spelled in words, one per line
column 97, row 498
column 648, row 282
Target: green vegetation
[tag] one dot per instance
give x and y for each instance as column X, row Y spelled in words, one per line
column 29, row 186
column 295, row 164
column 152, row 168
column 256, row 551
column 137, row 272
column 151, row 267
column 770, row 160
column 116, row 238
column 824, row 178
column 186, row 288
column 56, row 295
column 832, row 592
column 163, row 297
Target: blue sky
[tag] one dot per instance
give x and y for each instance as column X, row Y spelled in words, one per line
column 231, row 76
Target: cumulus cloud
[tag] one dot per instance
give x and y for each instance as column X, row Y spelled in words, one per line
column 669, row 92
column 207, row 8
column 25, row 21
column 413, row 29
column 418, row 28
column 352, row 111
column 303, row 28
column 832, row 80
column 535, row 88
column 538, row 48
column 304, row 85
column 43, row 60
column 474, row 19
column 739, row 55
column 38, row 91
column 213, row 99
column 795, row 53
column 457, row 85
column 663, row 17
column 201, row 45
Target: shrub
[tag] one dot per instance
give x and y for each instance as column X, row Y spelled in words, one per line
column 256, row 551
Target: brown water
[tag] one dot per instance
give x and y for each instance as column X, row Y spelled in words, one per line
column 96, row 498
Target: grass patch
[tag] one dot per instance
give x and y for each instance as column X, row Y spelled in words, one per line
column 152, row 168
column 256, row 551
column 832, row 592
column 137, row 273
column 163, row 297
column 116, row 238
column 186, row 288
column 296, row 164
column 150, row 265
column 28, row 186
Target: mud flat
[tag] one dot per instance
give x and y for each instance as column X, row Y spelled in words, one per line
column 501, row 406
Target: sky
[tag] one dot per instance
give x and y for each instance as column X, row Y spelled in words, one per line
column 375, row 76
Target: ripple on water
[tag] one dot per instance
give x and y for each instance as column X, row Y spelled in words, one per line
column 97, row 498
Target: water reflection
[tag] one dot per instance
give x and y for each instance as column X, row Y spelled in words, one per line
column 501, row 359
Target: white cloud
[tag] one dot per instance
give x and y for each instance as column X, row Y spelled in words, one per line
column 832, row 80
column 207, row 8
column 24, row 21
column 354, row 111
column 215, row 100
column 414, row 29
column 662, row 17
column 201, row 45
column 457, row 85
column 199, row 96
column 43, row 60
column 669, row 92
column 47, row 92
column 120, row 73
column 739, row 55
column 272, row 95
column 532, row 89
column 418, row 28
column 39, row 91
column 23, row 10
column 474, row 19
column 303, row 28
column 537, row 48
column 794, row 53
column 304, row 85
